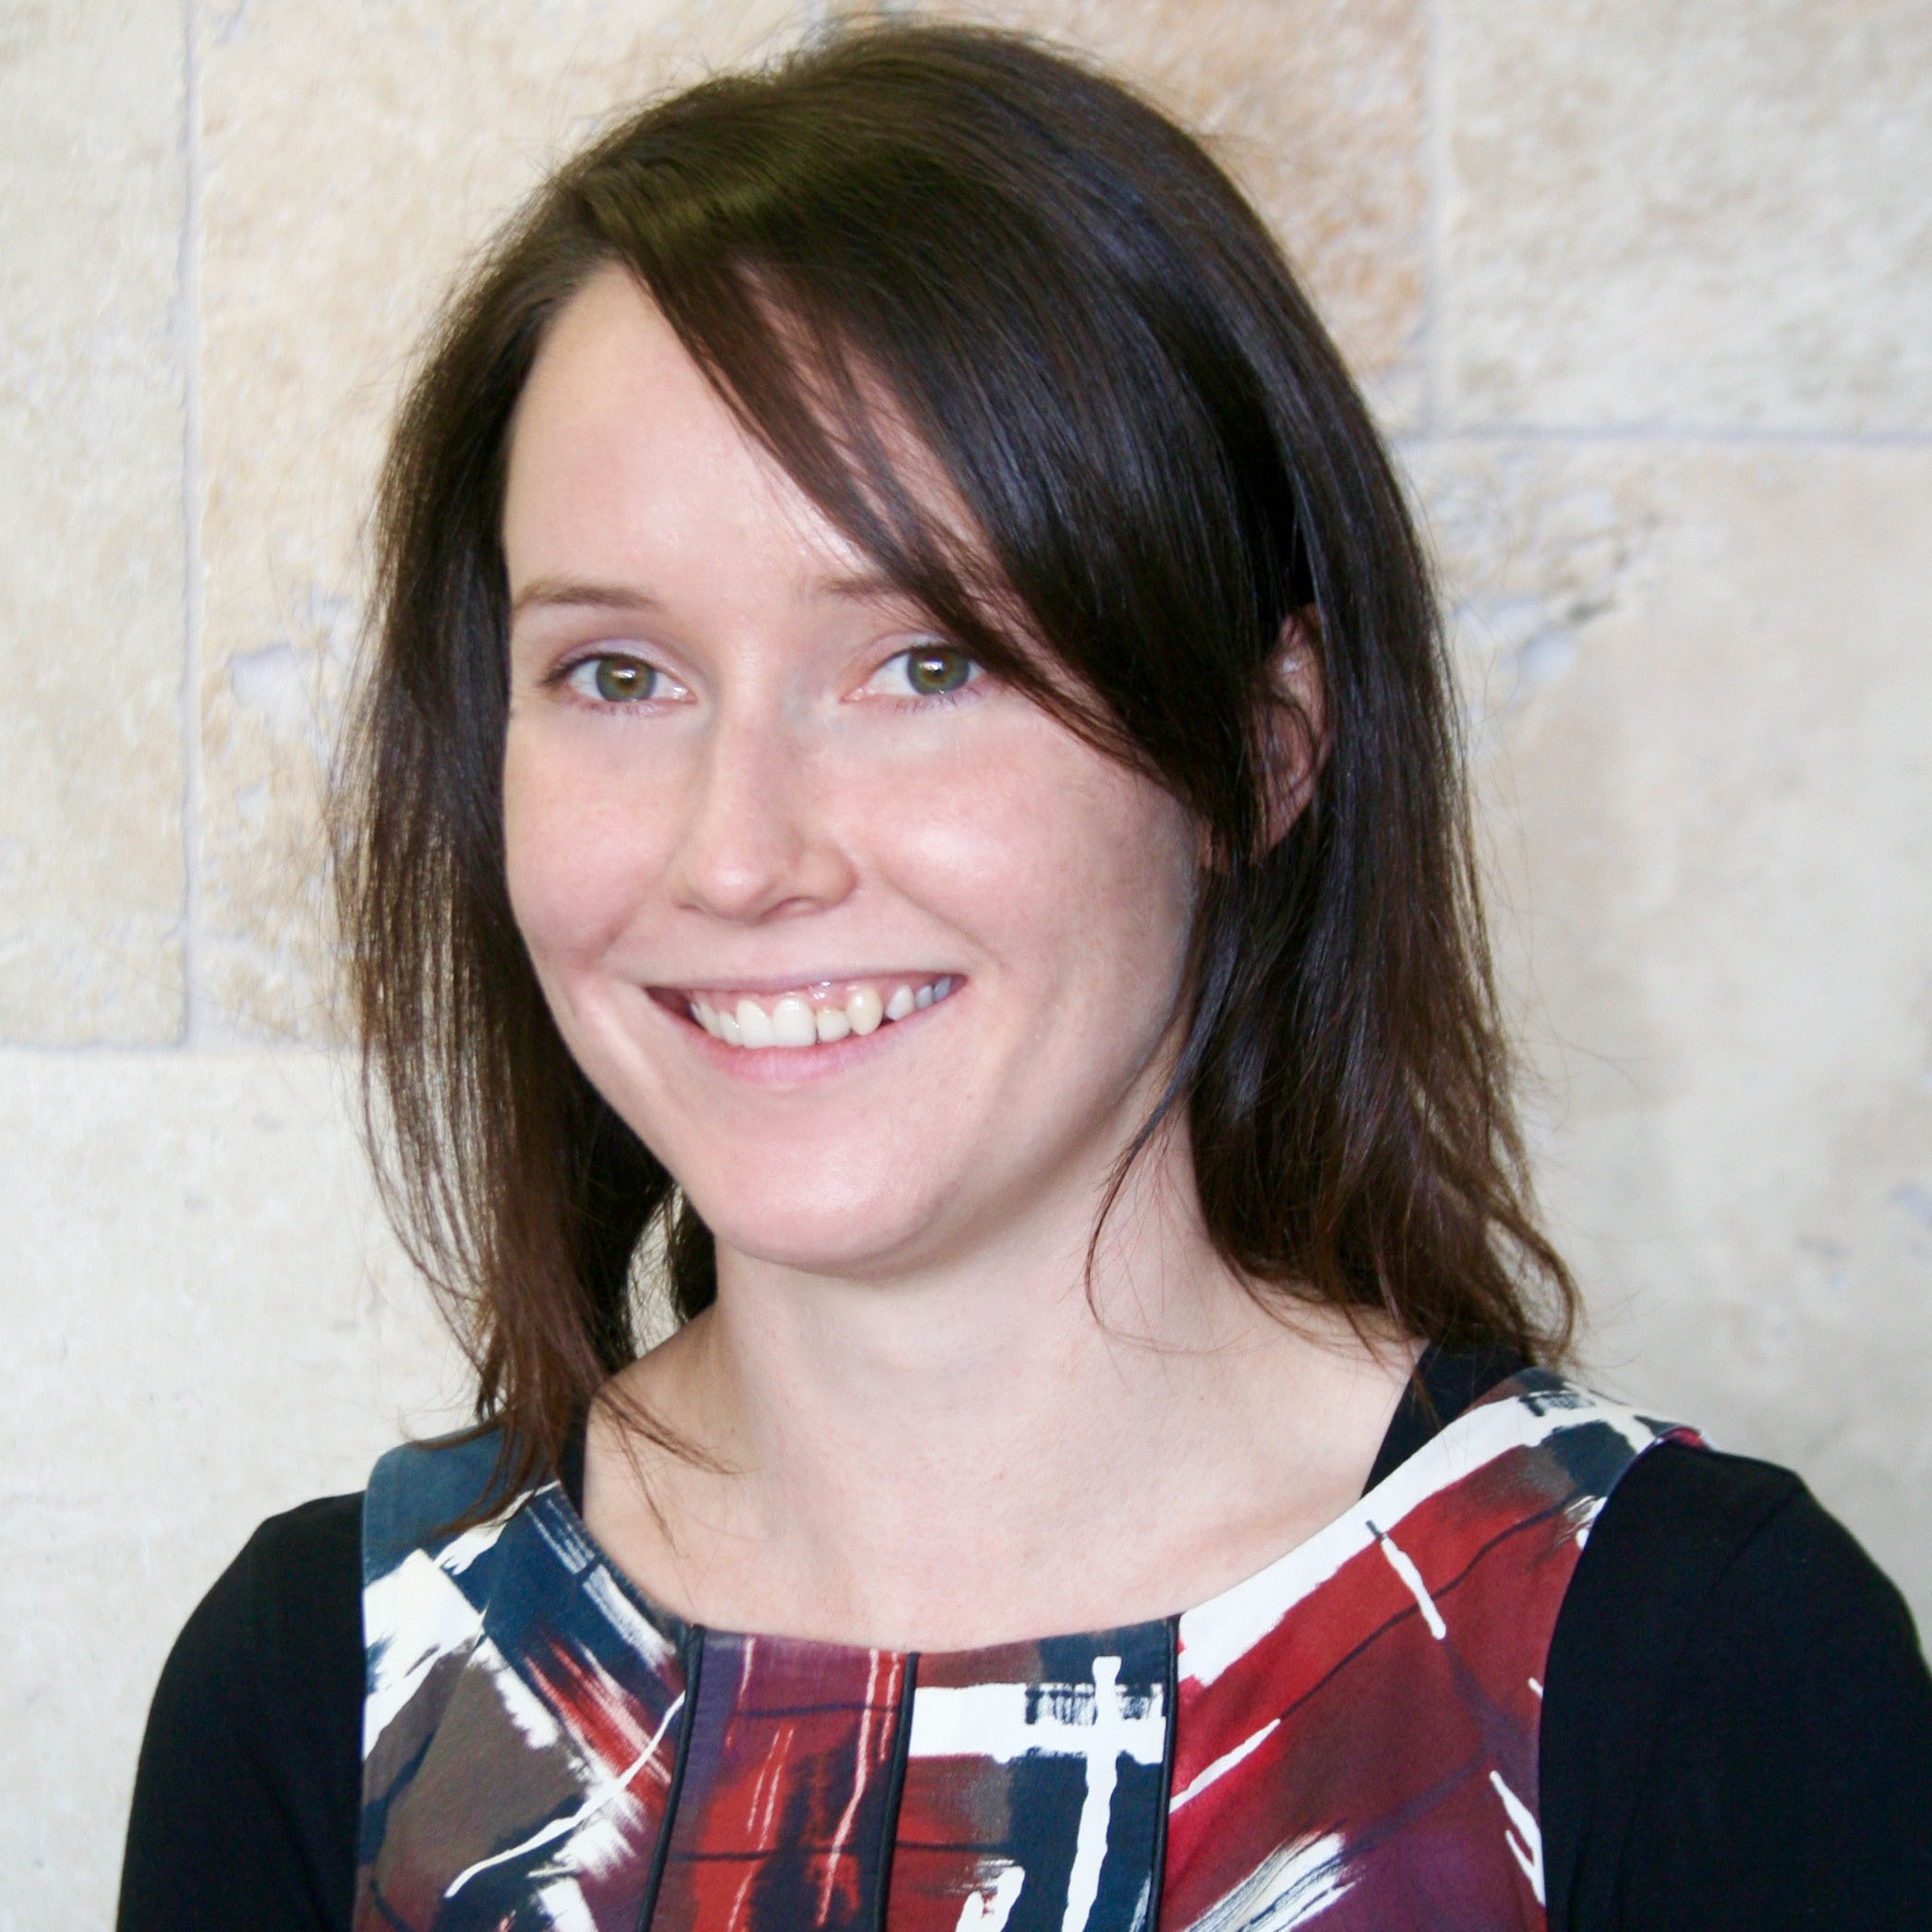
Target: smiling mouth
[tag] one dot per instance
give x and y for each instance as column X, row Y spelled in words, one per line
column 812, row 1015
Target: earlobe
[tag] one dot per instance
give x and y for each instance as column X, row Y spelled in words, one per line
column 1297, row 737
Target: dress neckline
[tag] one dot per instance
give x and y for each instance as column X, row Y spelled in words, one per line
column 1445, row 1387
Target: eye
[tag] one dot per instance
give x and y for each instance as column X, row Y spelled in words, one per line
column 615, row 678
column 929, row 669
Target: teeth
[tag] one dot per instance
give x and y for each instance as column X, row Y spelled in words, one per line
column 792, row 1023
column 793, row 1020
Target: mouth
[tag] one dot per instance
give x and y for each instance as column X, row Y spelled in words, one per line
column 812, row 1015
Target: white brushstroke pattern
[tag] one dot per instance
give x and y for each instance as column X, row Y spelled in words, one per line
column 1399, row 1560
column 1528, row 1850
column 479, row 1539
column 630, row 1623
column 981, row 1912
column 607, row 1794
column 560, row 1526
column 1220, row 1632
column 412, row 1618
column 1294, row 1884
column 1225, row 1763
column 990, row 1720
column 564, row 1907
column 1090, row 1844
column 850, row 1812
column 1583, row 1518
column 525, row 1709
column 1100, row 1724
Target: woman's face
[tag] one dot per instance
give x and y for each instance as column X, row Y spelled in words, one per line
column 750, row 795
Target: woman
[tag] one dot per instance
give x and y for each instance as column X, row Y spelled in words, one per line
column 909, row 757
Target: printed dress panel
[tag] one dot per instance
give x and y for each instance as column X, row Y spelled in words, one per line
column 1347, row 1739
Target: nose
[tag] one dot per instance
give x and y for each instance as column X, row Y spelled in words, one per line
column 756, row 842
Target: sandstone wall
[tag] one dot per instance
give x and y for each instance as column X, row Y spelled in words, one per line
column 1644, row 291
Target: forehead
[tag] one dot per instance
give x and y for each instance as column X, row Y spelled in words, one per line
column 620, row 448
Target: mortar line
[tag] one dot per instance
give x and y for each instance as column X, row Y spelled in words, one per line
column 1687, row 437
column 1435, row 136
column 270, row 1047
column 189, row 278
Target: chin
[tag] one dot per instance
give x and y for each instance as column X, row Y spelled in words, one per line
column 816, row 1226
column 830, row 1251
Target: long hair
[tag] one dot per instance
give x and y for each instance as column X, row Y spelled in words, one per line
column 1163, row 463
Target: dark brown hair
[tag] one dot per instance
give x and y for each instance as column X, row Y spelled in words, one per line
column 1164, row 460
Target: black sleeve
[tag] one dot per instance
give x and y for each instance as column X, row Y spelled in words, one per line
column 247, row 1797
column 1737, row 1732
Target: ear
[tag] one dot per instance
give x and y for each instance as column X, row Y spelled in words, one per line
column 1295, row 743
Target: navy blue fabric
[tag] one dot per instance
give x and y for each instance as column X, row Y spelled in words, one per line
column 421, row 1488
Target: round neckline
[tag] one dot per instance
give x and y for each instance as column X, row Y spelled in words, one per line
column 680, row 1632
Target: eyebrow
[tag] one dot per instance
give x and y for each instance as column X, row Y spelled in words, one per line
column 568, row 593
column 564, row 592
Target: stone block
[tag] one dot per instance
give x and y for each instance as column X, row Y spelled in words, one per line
column 206, row 1322
column 354, row 158
column 1707, row 216
column 1705, row 782
column 1318, row 109
column 92, row 622
column 1531, row 541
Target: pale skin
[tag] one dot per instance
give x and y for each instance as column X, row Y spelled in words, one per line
column 729, row 769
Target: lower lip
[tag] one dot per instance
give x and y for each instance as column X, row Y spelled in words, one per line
column 798, row 1065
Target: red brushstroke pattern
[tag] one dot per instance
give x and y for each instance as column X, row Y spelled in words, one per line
column 1367, row 1764
column 1398, row 1740
column 784, row 1802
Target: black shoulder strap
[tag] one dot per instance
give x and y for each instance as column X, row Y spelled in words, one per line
column 1446, row 1381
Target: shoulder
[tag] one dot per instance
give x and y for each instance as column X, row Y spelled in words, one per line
column 246, row 1793
column 290, row 1598
column 1738, row 1726
column 419, row 1491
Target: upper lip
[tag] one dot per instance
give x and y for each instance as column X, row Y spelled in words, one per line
column 769, row 985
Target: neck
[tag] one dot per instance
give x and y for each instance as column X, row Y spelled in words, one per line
column 916, row 1461
column 945, row 1366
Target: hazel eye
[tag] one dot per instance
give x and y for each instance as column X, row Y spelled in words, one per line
column 612, row 678
column 931, row 669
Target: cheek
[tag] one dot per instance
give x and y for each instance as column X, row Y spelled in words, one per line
column 1131, row 898
column 575, row 853
column 1073, row 869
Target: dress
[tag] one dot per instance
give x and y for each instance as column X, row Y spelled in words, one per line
column 1349, row 1735
column 1357, row 1737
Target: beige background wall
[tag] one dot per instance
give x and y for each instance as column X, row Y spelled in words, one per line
column 1644, row 292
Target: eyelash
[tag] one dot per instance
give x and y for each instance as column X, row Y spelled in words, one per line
column 565, row 675
column 927, row 700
